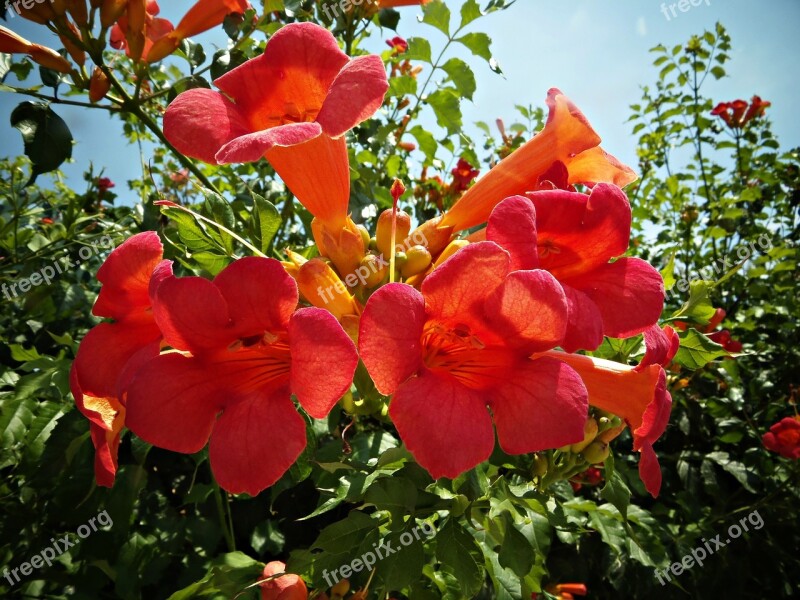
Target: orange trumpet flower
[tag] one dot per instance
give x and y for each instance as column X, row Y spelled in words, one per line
column 11, row 43
column 567, row 143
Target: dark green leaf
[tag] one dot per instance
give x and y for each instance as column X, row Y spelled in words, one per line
column 48, row 141
column 461, row 76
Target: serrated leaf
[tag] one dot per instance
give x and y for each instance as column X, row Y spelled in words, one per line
column 478, row 43
column 459, row 554
column 396, row 495
column 461, row 76
column 418, row 49
column 345, row 534
column 446, row 106
column 48, row 141
column 697, row 350
column 266, row 221
column 470, row 11
column 436, row 14
column 515, row 552
column 615, row 491
column 426, row 142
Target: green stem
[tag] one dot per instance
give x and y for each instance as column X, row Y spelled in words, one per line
column 225, row 524
column 54, row 100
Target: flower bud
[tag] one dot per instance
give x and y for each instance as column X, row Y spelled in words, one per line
column 383, row 235
column 596, row 452
column 539, row 467
column 418, row 259
column 376, row 270
column 321, row 286
column 451, row 249
column 340, row 589
column 98, row 85
column 430, row 235
column 589, row 433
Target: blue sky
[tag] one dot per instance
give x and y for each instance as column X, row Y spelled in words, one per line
column 596, row 52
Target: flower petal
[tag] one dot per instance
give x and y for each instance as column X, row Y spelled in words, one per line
column 544, row 406
column 324, row 360
column 528, row 310
column 595, row 165
column 445, row 425
column 355, row 95
column 173, row 403
column 318, row 173
column 259, row 293
column 290, row 79
column 629, row 294
column 512, row 226
column 253, row 146
column 199, row 122
column 125, row 276
column 661, row 345
column 192, row 314
column 105, row 350
column 458, row 288
column 578, row 233
column 255, row 441
column 584, row 323
column 390, row 333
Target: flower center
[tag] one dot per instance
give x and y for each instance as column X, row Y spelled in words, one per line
column 458, row 352
column 259, row 360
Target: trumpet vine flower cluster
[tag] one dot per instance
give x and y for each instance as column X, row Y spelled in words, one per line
column 469, row 336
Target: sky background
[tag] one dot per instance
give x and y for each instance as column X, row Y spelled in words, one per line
column 595, row 51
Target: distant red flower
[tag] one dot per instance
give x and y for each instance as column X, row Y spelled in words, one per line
column 462, row 346
column 398, row 44
column 103, row 185
column 784, row 438
column 285, row 587
column 723, row 338
column 463, row 175
column 109, row 353
column 47, row 221
column 242, row 350
column 154, row 29
column 179, row 177
column 736, row 114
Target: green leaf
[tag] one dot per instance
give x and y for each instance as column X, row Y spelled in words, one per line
column 436, row 14
column 696, row 350
column 230, row 574
column 396, row 495
column 345, row 534
column 470, row 11
column 446, row 106
column 192, row 52
column 405, row 565
column 48, row 141
column 459, row 554
column 461, row 76
column 418, row 49
column 389, row 18
column 698, row 307
column 478, row 43
column 402, row 86
column 426, row 142
column 668, row 272
column 225, row 60
column 615, row 491
column 265, row 222
column 516, row 552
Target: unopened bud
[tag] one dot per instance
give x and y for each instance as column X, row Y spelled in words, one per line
column 364, row 235
column 376, row 270
column 539, row 467
column 98, row 85
column 596, row 452
column 418, row 260
column 589, row 433
column 451, row 249
column 340, row 589
column 383, row 234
